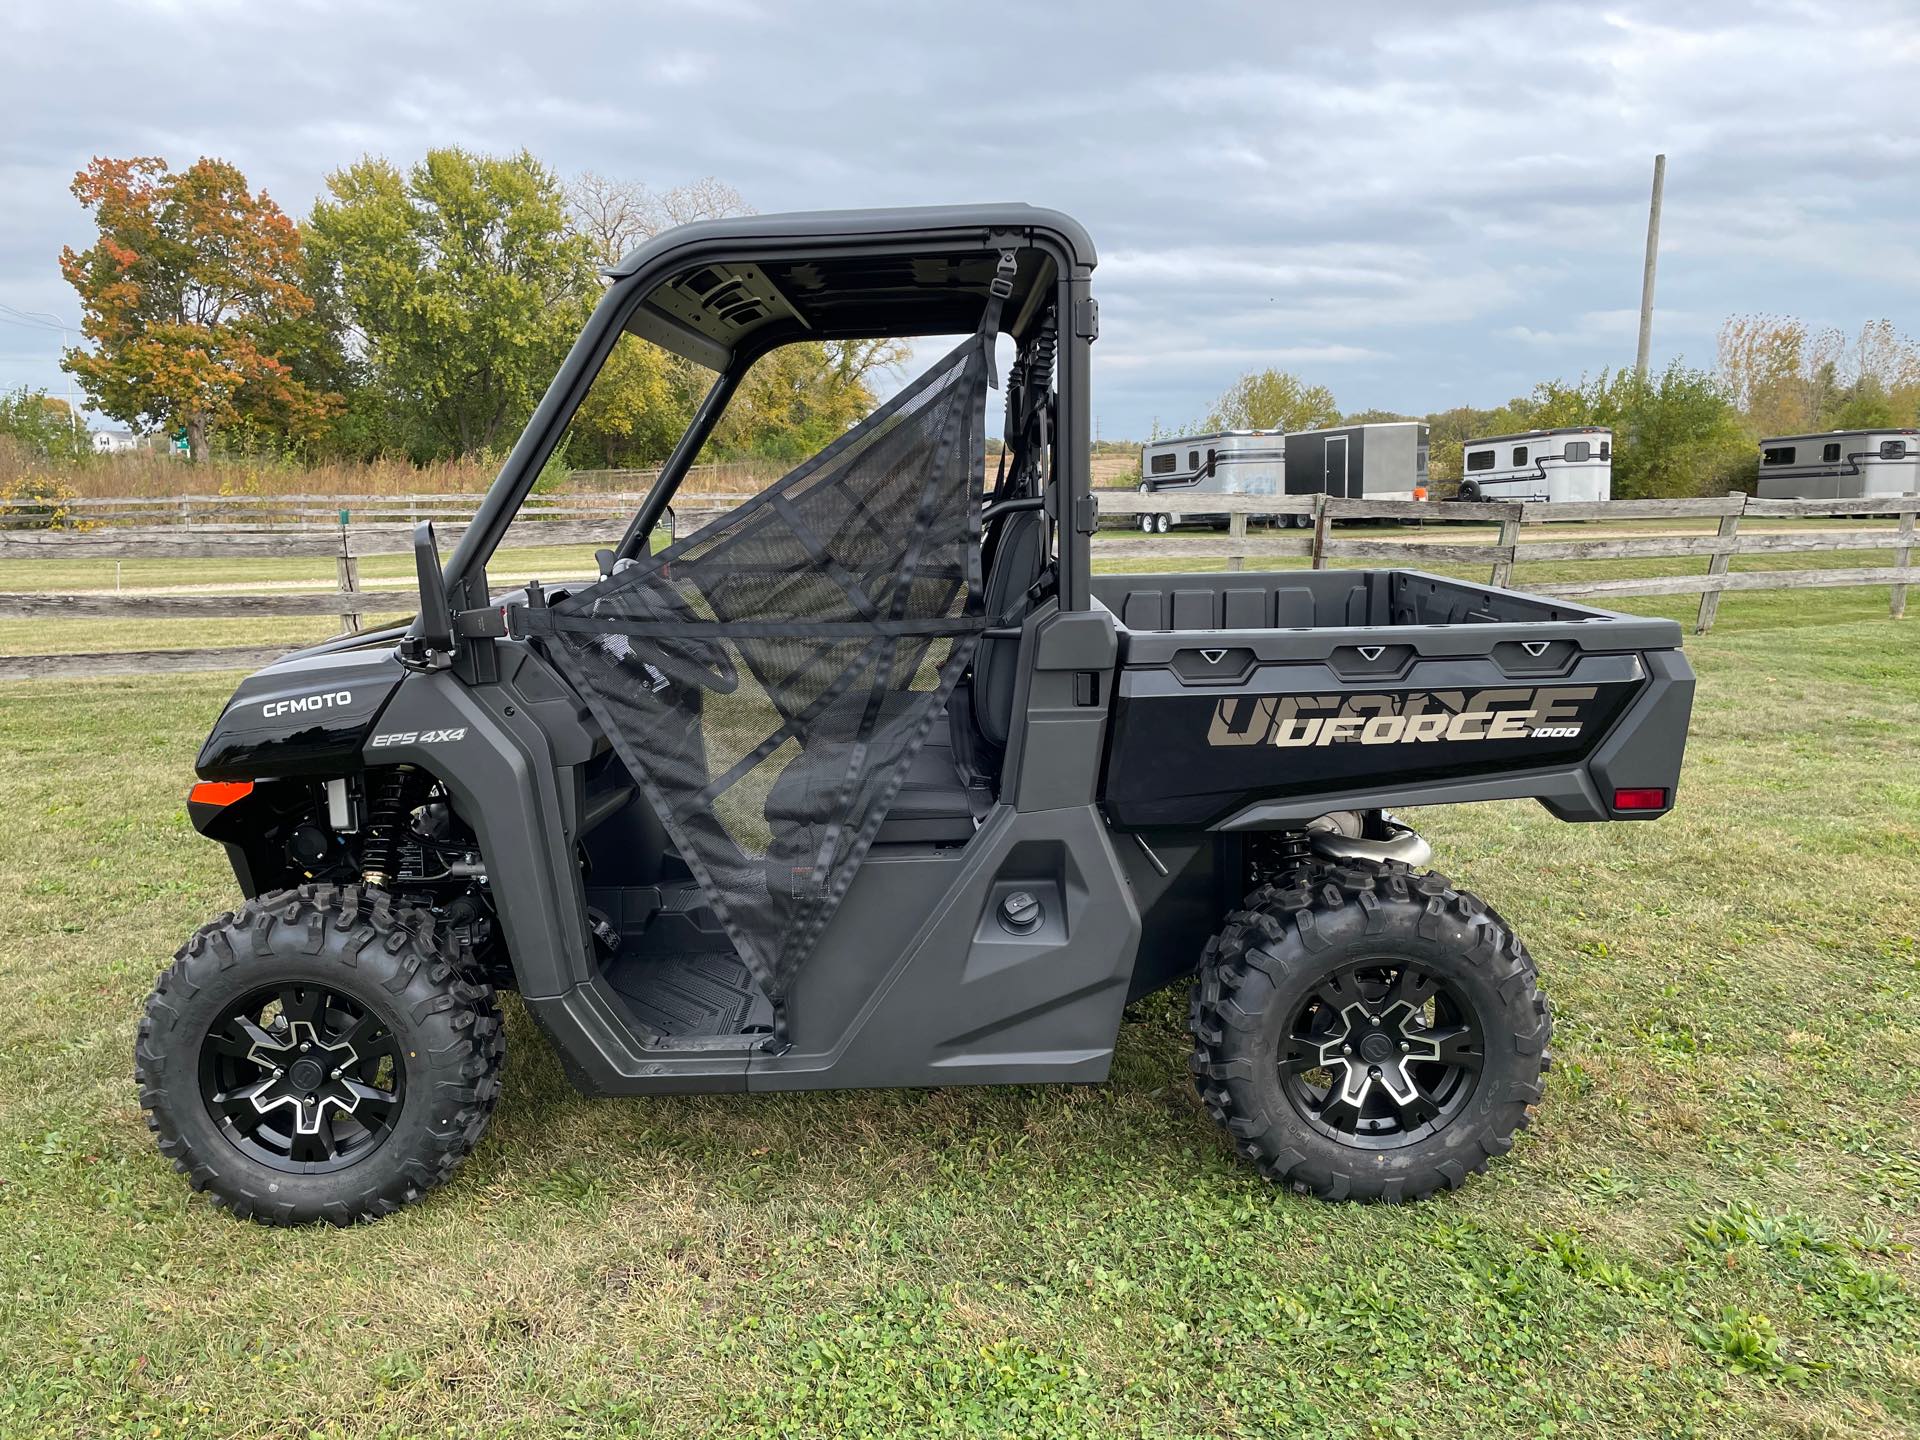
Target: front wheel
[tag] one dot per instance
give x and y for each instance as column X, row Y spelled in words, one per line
column 318, row 1055
column 1368, row 1032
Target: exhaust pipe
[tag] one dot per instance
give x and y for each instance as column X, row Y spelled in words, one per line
column 1405, row 846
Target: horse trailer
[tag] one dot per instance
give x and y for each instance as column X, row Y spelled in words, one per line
column 1563, row 466
column 1840, row 465
column 1386, row 460
column 1226, row 462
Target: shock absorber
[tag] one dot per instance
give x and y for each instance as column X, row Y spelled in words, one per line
column 1275, row 856
column 387, row 811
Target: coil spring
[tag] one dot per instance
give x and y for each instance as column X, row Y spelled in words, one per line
column 1277, row 856
column 386, row 811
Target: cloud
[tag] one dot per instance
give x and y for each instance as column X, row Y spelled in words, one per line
column 1419, row 205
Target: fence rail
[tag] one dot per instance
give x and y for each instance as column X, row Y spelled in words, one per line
column 312, row 526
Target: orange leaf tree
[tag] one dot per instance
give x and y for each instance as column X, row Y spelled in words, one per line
column 184, row 293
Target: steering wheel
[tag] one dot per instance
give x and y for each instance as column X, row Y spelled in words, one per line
column 685, row 659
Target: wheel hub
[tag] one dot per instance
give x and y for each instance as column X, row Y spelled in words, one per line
column 1375, row 1049
column 1382, row 1052
column 306, row 1073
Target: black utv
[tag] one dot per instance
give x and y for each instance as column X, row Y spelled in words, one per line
column 871, row 781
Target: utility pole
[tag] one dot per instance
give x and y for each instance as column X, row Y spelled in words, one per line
column 1653, row 260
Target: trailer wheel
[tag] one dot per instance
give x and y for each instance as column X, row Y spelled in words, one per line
column 318, row 1054
column 1146, row 524
column 1162, row 524
column 1368, row 1033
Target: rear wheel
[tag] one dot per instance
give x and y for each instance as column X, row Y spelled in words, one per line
column 1367, row 1032
column 1162, row 524
column 318, row 1055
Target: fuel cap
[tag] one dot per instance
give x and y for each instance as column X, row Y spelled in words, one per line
column 1020, row 912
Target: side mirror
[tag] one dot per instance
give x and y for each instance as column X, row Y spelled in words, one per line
column 434, row 628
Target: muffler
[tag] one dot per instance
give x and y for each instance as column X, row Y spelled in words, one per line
column 1328, row 836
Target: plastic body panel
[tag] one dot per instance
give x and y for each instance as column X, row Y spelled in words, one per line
column 306, row 715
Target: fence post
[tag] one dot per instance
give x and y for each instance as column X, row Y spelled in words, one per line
column 349, row 571
column 1718, row 565
column 1320, row 531
column 1237, row 540
column 1508, row 542
column 1903, row 557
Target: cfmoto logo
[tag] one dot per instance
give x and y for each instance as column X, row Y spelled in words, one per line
column 301, row 704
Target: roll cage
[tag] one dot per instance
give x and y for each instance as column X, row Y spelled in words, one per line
column 779, row 279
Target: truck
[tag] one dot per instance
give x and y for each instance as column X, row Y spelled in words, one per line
column 872, row 780
column 1382, row 460
column 1566, row 465
column 1840, row 465
column 1221, row 462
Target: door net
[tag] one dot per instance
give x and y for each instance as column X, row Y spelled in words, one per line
column 811, row 636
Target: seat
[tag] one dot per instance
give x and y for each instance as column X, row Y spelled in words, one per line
column 949, row 786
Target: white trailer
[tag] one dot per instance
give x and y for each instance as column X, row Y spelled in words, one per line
column 1840, row 465
column 1567, row 465
column 1226, row 462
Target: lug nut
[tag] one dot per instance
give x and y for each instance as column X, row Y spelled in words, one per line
column 336, row 1074
column 1344, row 1050
column 1404, row 1048
column 1373, row 1070
column 1373, row 1019
column 304, row 1047
column 278, row 1072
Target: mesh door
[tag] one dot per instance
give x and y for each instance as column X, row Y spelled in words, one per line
column 769, row 679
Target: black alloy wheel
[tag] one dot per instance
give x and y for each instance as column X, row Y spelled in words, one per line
column 1382, row 1053
column 302, row 1077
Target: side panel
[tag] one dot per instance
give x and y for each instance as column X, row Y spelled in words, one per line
column 1188, row 753
column 918, row 982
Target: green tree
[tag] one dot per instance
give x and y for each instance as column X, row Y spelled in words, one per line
column 1676, row 434
column 185, row 294
column 42, row 425
column 462, row 284
column 1273, row 400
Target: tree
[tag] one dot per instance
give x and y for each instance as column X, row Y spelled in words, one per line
column 42, row 425
column 792, row 402
column 462, row 284
column 1676, row 434
column 615, row 216
column 1273, row 400
column 182, row 294
column 1788, row 379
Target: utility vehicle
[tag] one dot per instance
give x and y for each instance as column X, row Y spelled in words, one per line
column 872, row 782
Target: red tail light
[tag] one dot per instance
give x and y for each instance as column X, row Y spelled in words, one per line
column 219, row 792
column 1640, row 799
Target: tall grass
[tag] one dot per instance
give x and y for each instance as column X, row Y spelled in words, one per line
column 147, row 474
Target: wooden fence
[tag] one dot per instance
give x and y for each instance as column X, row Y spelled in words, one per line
column 349, row 529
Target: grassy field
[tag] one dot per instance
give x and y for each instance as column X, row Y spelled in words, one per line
column 1707, row 1232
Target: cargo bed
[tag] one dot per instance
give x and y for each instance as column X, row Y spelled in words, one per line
column 1259, row 701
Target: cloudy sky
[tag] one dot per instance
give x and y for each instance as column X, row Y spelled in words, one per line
column 1419, row 205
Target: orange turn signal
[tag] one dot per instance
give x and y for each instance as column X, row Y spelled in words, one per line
column 1419, row 492
column 219, row 792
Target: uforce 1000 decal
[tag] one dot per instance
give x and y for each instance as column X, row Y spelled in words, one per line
column 1421, row 717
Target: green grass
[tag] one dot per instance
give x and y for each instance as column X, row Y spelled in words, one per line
column 1706, row 1233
